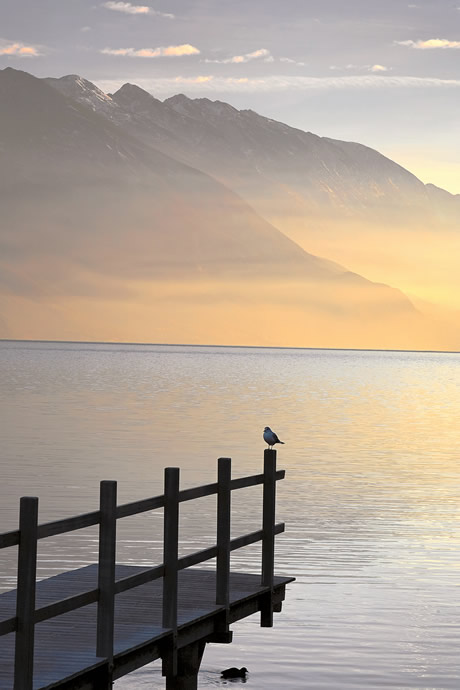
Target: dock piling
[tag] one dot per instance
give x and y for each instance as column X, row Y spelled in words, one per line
column 170, row 558
column 106, row 574
column 224, row 473
column 268, row 539
column 25, row 598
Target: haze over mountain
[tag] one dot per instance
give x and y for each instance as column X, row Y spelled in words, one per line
column 124, row 210
column 69, row 164
column 250, row 152
column 334, row 198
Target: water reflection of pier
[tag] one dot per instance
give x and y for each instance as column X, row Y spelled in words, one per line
column 86, row 628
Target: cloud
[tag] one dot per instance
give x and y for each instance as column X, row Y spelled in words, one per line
column 343, row 67
column 18, row 49
column 247, row 57
column 168, row 86
column 361, row 68
column 169, row 51
column 128, row 8
column 429, row 44
column 201, row 79
column 292, row 62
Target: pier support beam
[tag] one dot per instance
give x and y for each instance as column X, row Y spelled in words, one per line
column 188, row 665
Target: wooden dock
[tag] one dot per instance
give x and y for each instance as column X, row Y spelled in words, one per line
column 86, row 628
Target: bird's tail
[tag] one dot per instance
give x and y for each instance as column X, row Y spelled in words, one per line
column 281, row 442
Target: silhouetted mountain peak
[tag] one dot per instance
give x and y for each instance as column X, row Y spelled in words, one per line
column 133, row 99
column 133, row 92
column 79, row 89
column 11, row 75
column 201, row 107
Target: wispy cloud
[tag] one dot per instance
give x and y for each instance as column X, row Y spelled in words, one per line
column 168, row 51
column 201, row 79
column 290, row 61
column 247, row 57
column 361, row 68
column 340, row 68
column 19, row 49
column 260, row 54
column 168, row 86
column 129, row 8
column 430, row 43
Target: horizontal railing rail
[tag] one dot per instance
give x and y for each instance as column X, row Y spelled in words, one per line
column 71, row 524
column 29, row 532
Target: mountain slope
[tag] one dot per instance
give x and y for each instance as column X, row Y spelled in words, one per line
column 257, row 150
column 260, row 153
column 337, row 199
column 107, row 183
column 102, row 235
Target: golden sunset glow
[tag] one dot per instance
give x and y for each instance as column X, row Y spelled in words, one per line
column 19, row 49
column 269, row 190
column 169, row 51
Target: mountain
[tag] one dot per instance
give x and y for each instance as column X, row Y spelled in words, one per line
column 344, row 176
column 81, row 177
column 337, row 199
column 104, row 235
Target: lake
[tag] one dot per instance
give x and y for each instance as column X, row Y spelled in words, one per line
column 371, row 498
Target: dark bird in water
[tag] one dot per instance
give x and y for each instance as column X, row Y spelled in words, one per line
column 234, row 672
column 271, row 438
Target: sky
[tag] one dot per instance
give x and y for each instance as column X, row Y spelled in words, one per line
column 385, row 74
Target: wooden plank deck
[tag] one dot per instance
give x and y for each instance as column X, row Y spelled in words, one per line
column 65, row 646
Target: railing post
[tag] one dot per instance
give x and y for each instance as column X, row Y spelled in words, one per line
column 25, row 602
column 224, row 472
column 268, row 539
column 106, row 572
column 170, row 557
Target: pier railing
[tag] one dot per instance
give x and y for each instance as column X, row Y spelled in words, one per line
column 26, row 537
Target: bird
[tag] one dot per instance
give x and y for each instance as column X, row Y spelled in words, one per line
column 234, row 672
column 270, row 437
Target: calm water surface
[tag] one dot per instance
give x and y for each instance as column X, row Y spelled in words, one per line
column 371, row 498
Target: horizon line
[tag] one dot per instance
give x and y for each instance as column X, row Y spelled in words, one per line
column 254, row 347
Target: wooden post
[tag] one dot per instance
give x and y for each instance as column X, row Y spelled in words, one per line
column 25, row 602
column 189, row 660
column 106, row 572
column 224, row 472
column 268, row 539
column 170, row 557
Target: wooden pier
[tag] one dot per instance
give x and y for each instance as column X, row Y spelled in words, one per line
column 86, row 628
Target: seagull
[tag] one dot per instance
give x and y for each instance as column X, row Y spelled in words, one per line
column 270, row 437
column 234, row 672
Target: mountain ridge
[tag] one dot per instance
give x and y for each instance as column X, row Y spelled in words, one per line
column 113, row 153
column 195, row 109
column 117, row 216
